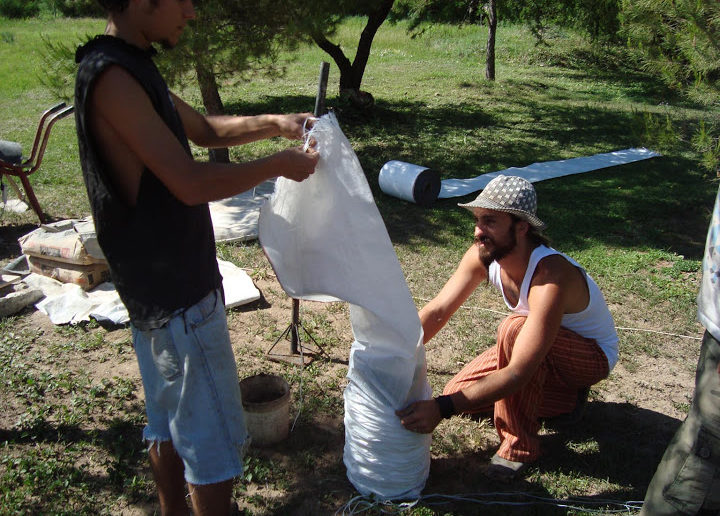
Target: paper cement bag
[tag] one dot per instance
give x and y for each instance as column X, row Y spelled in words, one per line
column 326, row 241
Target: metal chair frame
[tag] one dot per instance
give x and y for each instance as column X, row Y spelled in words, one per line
column 32, row 164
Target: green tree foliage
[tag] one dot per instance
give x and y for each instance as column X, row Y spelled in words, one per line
column 69, row 8
column 458, row 11
column 19, row 8
column 229, row 40
column 599, row 18
column 678, row 39
column 706, row 141
column 320, row 18
column 77, row 8
column 454, row 11
column 59, row 67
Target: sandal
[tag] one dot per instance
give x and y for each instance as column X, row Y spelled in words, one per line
column 504, row 470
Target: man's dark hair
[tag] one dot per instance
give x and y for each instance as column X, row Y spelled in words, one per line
column 114, row 6
column 534, row 234
column 118, row 6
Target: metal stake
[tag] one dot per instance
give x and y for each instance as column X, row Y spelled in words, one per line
column 297, row 351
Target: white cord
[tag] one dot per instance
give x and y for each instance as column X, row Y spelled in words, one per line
column 306, row 132
column 660, row 332
column 360, row 504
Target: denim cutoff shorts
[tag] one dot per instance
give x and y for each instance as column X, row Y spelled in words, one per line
column 192, row 394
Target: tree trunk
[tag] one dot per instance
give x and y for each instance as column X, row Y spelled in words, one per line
column 342, row 62
column 213, row 105
column 351, row 74
column 375, row 19
column 490, row 48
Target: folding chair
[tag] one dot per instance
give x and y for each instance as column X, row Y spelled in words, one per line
column 11, row 160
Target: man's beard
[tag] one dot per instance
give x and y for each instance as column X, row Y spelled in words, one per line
column 499, row 251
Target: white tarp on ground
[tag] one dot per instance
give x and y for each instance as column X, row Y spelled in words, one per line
column 235, row 219
column 66, row 303
column 546, row 170
column 15, row 206
column 326, row 240
column 423, row 186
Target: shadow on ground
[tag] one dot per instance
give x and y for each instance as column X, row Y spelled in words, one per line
column 615, row 443
column 660, row 203
column 9, row 246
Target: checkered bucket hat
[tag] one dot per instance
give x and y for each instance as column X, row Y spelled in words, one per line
column 510, row 194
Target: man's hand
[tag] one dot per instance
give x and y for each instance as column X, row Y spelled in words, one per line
column 421, row 417
column 299, row 163
column 292, row 126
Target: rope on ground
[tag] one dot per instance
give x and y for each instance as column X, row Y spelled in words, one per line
column 361, row 504
column 660, row 332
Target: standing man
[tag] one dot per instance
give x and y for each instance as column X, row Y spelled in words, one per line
column 149, row 202
column 687, row 480
column 559, row 340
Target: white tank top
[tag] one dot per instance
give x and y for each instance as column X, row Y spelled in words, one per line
column 595, row 322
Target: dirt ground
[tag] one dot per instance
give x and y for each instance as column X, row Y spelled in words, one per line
column 628, row 422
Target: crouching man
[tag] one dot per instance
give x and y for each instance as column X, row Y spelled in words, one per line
column 559, row 340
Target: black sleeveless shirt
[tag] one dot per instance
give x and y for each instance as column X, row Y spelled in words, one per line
column 161, row 252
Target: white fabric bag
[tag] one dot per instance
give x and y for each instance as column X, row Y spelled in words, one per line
column 326, row 241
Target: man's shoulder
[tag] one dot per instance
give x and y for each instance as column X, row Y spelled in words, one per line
column 555, row 260
column 96, row 48
column 554, row 268
column 94, row 58
column 102, row 50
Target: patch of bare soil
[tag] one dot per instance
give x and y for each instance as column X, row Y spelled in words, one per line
column 627, row 424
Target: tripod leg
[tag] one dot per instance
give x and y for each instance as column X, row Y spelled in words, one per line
column 281, row 337
column 294, row 326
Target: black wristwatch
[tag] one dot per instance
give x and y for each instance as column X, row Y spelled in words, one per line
column 447, row 408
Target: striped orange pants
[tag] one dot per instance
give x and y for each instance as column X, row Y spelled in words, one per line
column 572, row 363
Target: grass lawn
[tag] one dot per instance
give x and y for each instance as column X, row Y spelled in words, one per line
column 70, row 441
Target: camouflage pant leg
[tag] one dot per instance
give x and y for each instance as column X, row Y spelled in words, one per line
column 687, row 481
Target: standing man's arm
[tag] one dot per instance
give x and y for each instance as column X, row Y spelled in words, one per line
column 133, row 136
column 227, row 131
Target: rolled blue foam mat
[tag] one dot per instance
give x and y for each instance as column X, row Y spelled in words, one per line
column 413, row 183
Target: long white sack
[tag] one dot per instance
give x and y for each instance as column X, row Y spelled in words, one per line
column 326, row 241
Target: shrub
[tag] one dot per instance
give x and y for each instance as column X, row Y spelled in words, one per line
column 19, row 8
column 78, row 8
column 679, row 40
column 706, row 141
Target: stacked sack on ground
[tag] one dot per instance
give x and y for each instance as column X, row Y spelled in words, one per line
column 66, row 251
